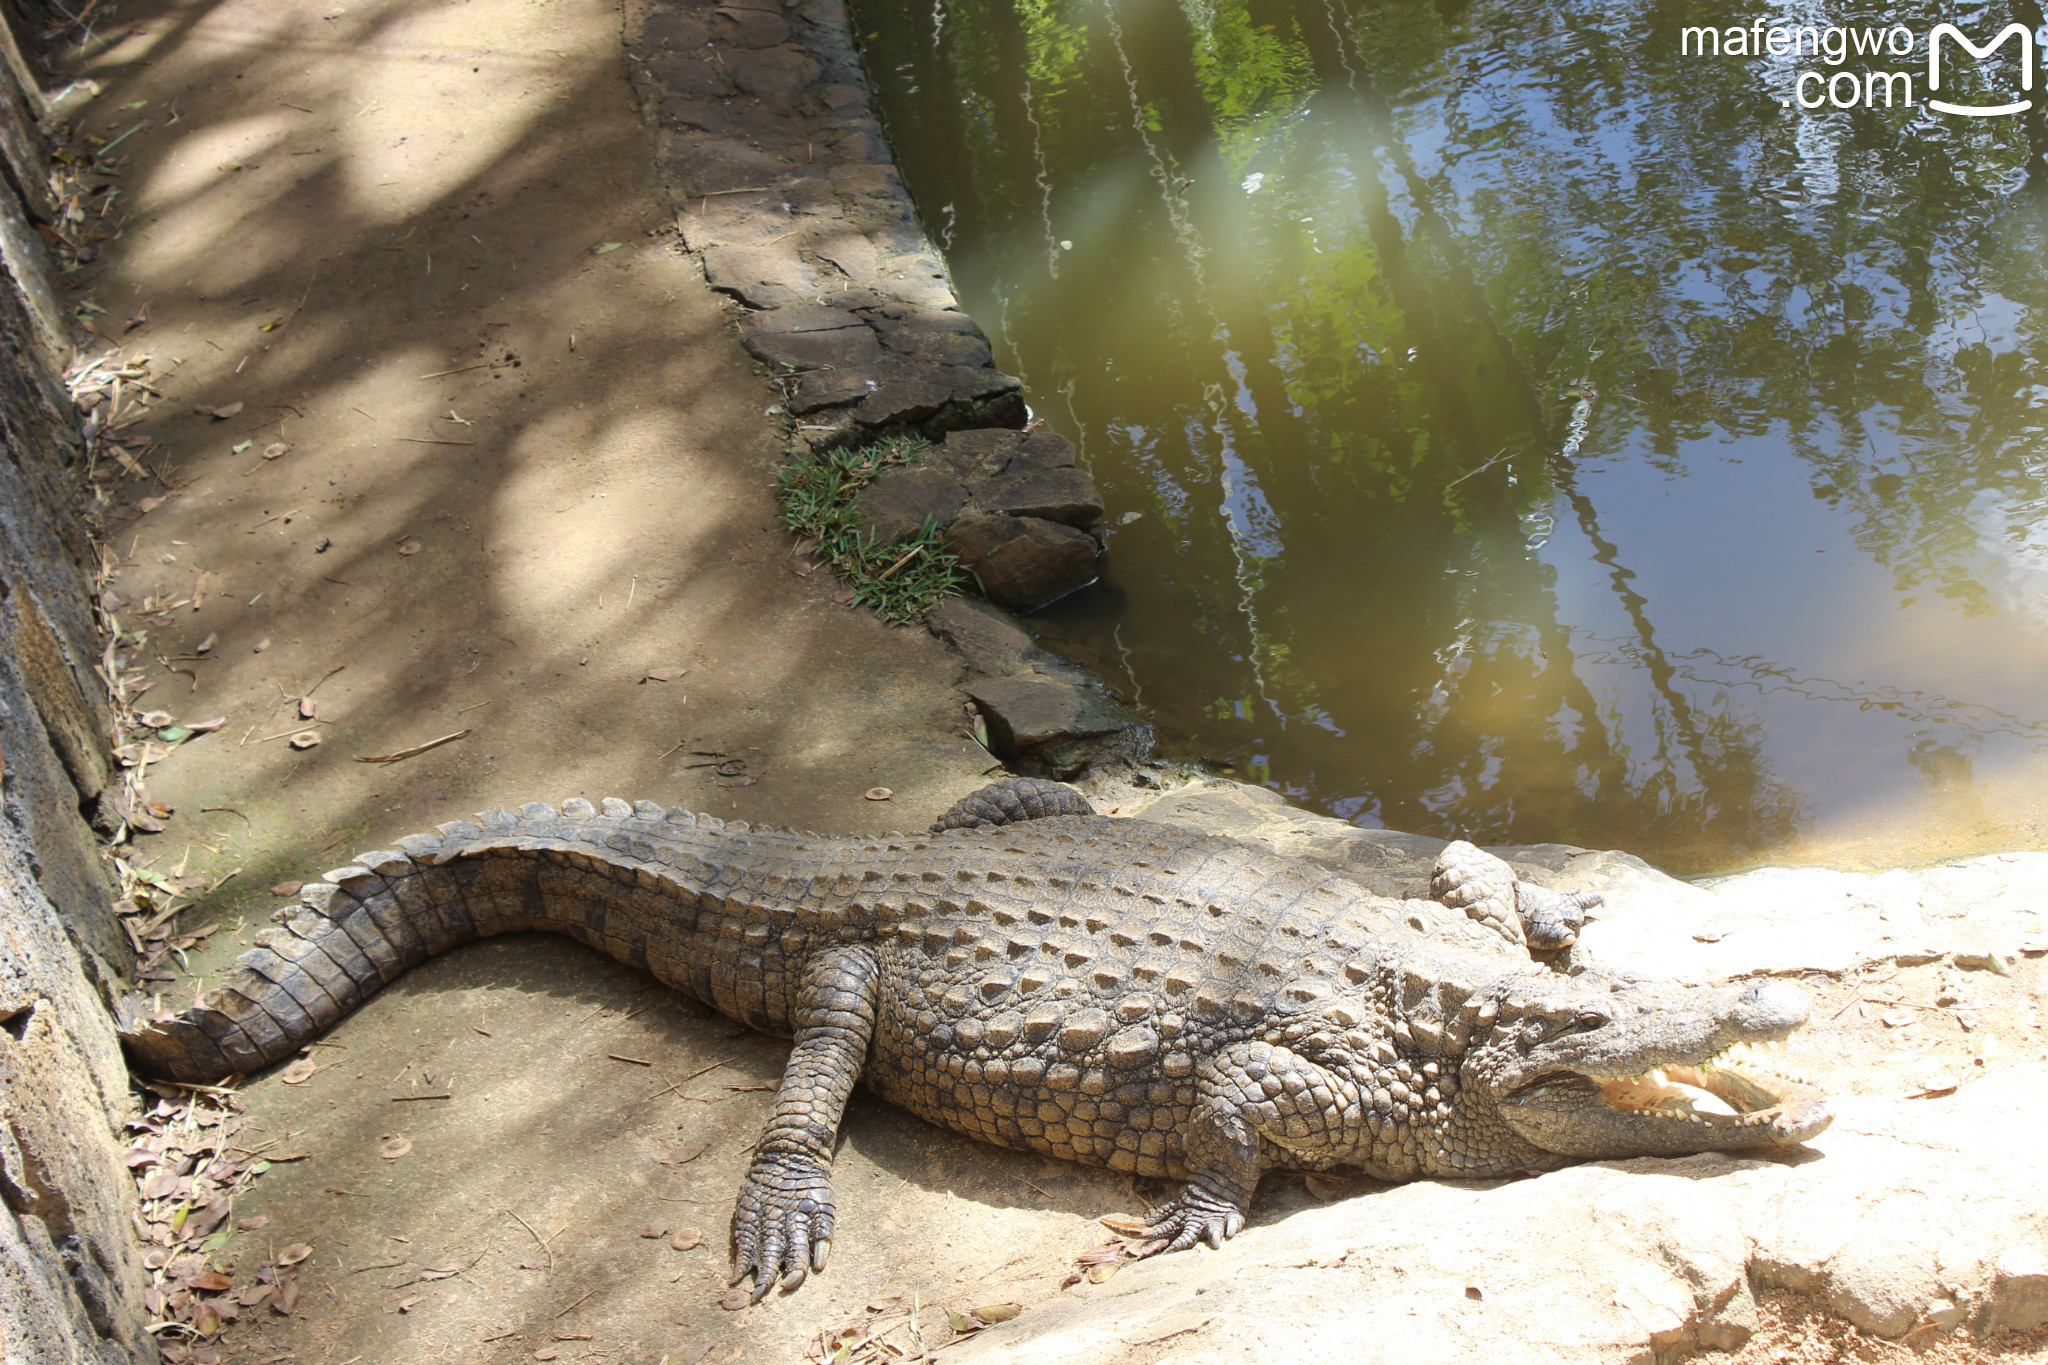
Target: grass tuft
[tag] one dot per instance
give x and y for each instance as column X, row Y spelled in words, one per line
column 901, row 581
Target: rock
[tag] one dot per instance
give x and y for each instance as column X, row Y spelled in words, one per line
column 990, row 640
column 686, row 74
column 899, row 503
column 1063, row 495
column 759, row 276
column 738, row 27
column 2019, row 1290
column 776, row 74
column 1023, row 562
column 901, row 402
column 1043, row 449
column 974, row 457
column 675, row 32
column 796, row 317
column 852, row 252
column 845, row 348
column 714, row 165
column 1043, row 727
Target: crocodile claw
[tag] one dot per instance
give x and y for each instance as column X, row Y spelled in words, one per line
column 1194, row 1215
column 782, row 1225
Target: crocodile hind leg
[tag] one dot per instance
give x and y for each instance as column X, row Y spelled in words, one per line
column 1012, row 801
column 782, row 1224
column 1254, row 1091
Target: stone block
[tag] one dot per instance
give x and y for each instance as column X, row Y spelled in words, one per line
column 974, row 457
column 851, row 251
column 1032, row 718
column 898, row 402
column 759, row 276
column 703, row 166
column 1024, row 563
column 817, row 390
column 901, row 501
column 775, row 74
column 732, row 26
column 2019, row 1290
column 1044, row 449
column 796, row 317
column 674, row 31
column 1065, row 495
column 987, row 637
column 684, row 74
column 844, row 348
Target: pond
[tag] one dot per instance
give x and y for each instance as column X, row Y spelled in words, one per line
column 1528, row 422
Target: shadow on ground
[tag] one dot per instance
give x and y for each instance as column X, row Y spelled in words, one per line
column 422, row 248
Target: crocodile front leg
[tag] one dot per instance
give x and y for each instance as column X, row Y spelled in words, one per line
column 1252, row 1091
column 782, row 1225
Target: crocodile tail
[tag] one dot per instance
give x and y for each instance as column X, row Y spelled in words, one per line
column 363, row 925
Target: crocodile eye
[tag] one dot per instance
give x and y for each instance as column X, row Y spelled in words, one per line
column 1590, row 1019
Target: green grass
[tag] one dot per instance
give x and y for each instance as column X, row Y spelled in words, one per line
column 902, row 580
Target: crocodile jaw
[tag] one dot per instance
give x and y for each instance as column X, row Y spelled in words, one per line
column 1736, row 1098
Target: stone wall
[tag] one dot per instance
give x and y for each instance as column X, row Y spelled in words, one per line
column 70, row 1281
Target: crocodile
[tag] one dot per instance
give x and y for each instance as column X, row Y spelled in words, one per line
column 1118, row 992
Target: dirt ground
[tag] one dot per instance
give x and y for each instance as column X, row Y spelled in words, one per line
column 422, row 247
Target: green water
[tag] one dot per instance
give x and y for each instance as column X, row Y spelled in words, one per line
column 1515, row 427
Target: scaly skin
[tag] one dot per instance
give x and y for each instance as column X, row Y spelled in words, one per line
column 1110, row 991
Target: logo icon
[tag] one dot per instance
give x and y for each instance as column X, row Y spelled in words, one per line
column 2026, row 38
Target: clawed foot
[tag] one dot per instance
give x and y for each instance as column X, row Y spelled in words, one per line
column 782, row 1226
column 1194, row 1215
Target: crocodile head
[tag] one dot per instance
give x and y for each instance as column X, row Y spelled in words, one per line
column 1590, row 1067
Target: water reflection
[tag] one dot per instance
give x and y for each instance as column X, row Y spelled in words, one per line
column 1512, row 427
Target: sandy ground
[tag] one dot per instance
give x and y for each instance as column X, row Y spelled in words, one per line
column 320, row 206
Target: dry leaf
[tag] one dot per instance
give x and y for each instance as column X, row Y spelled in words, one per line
column 1098, row 1274
column 156, row 720
column 255, row 1294
column 286, row 888
column 394, row 1147
column 293, row 1254
column 685, row 1239
column 665, row 674
column 999, row 1312
column 441, row 1272
column 262, row 644
column 148, row 505
column 212, row 1281
column 207, row 643
column 546, row 1353
column 222, row 414
column 298, row 1072
column 308, row 709
column 1899, row 1018
column 407, row 1305
column 305, row 739
column 735, row 1299
column 740, row 782
column 655, row 1229
column 256, row 1224
column 683, row 1154
column 287, row 1296
column 275, row 449
column 409, row 546
column 878, row 793
column 960, row 1322
column 206, row 727
column 1940, row 1085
